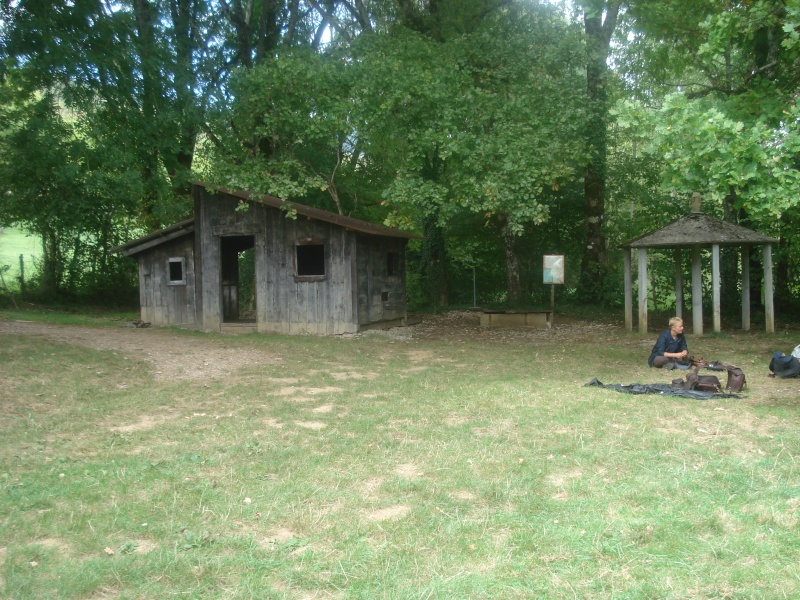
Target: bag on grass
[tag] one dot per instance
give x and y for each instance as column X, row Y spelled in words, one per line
column 784, row 366
column 736, row 379
column 702, row 383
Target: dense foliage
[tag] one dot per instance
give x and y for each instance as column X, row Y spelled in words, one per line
column 501, row 129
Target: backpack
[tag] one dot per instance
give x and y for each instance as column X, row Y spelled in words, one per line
column 736, row 379
column 702, row 383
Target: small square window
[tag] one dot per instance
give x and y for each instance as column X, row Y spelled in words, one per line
column 392, row 264
column 384, row 296
column 310, row 259
column 176, row 271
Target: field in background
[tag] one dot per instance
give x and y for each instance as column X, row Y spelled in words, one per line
column 14, row 242
column 146, row 463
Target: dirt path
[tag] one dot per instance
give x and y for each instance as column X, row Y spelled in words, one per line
column 176, row 357
column 173, row 357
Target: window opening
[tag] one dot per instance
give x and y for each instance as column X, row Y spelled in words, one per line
column 310, row 259
column 176, row 271
column 384, row 296
column 392, row 264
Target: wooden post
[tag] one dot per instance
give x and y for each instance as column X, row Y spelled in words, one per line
column 769, row 307
column 697, row 292
column 715, row 287
column 746, row 288
column 678, row 285
column 21, row 274
column 626, row 255
column 642, row 290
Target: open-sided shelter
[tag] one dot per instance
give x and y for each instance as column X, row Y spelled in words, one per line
column 313, row 271
column 695, row 232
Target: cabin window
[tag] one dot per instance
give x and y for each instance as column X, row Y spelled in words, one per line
column 392, row 264
column 310, row 260
column 176, row 271
column 384, row 296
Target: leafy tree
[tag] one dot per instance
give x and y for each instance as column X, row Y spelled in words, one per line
column 59, row 187
column 486, row 123
column 290, row 127
column 730, row 132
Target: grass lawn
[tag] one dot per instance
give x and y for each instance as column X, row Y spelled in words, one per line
column 14, row 242
column 380, row 467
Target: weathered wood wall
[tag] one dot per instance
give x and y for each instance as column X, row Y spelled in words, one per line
column 381, row 296
column 162, row 303
column 285, row 302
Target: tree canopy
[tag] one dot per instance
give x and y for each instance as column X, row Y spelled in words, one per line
column 501, row 129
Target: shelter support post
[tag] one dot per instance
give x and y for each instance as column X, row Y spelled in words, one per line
column 626, row 256
column 678, row 285
column 769, row 307
column 642, row 290
column 697, row 292
column 746, row 288
column 715, row 288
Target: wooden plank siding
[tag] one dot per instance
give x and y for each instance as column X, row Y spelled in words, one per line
column 374, row 280
column 285, row 302
column 163, row 303
column 358, row 280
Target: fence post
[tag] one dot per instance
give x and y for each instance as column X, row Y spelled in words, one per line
column 21, row 274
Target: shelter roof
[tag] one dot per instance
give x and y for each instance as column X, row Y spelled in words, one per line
column 314, row 213
column 155, row 239
column 186, row 227
column 698, row 229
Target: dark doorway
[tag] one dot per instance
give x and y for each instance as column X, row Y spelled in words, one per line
column 238, row 274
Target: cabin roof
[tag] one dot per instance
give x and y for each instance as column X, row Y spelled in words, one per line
column 698, row 229
column 156, row 239
column 314, row 213
column 187, row 227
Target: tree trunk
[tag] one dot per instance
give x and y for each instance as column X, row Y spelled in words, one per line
column 512, row 264
column 783, row 295
column 51, row 263
column 433, row 263
column 729, row 290
column 598, row 32
column 145, row 46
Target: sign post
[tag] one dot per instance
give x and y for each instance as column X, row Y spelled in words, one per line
column 553, row 269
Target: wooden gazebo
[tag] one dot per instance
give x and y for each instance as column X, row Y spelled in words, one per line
column 697, row 231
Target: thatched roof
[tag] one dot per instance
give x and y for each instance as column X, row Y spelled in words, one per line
column 697, row 229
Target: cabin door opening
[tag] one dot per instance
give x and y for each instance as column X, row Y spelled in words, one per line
column 238, row 274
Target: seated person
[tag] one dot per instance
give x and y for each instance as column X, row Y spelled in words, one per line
column 671, row 350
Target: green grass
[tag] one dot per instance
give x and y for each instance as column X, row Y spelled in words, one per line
column 381, row 468
column 14, row 242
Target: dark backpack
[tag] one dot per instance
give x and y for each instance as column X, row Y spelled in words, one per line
column 736, row 379
column 702, row 383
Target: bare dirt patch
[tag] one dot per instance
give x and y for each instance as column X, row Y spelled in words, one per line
column 313, row 425
column 392, row 513
column 144, row 546
column 172, row 357
column 465, row 325
column 176, row 357
column 145, row 422
column 409, row 471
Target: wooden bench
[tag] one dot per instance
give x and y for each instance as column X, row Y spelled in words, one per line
column 540, row 319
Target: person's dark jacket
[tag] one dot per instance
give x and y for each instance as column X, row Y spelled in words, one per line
column 666, row 343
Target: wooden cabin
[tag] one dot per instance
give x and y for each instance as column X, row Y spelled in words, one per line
column 248, row 262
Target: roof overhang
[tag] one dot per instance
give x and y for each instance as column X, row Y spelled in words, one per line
column 311, row 212
column 699, row 230
column 156, row 239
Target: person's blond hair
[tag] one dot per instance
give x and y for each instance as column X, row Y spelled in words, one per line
column 674, row 320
